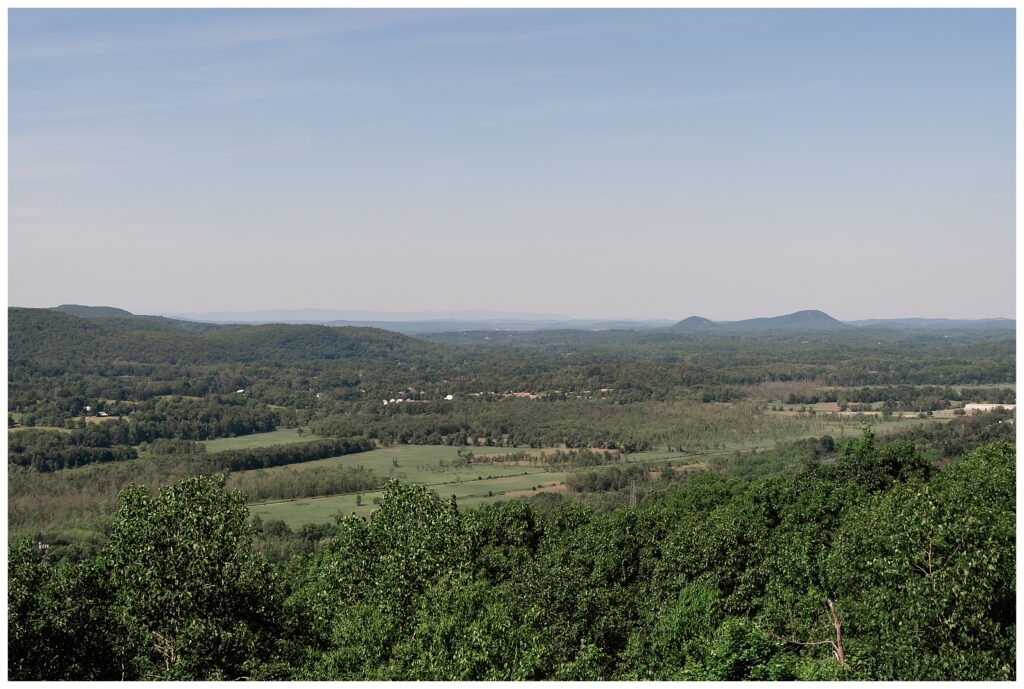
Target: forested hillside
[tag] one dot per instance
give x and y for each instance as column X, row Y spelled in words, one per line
column 60, row 363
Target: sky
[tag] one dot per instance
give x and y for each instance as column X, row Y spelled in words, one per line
column 599, row 164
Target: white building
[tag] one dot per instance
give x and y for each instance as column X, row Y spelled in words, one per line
column 974, row 407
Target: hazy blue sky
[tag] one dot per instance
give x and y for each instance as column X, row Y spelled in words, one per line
column 592, row 163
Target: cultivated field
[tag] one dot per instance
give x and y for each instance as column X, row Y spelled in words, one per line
column 284, row 436
column 468, row 493
column 488, row 479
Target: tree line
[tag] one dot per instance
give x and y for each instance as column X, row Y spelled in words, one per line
column 249, row 458
column 290, row 484
column 905, row 397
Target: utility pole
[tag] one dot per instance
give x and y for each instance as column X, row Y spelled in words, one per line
column 632, row 492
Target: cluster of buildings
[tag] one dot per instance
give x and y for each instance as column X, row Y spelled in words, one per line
column 448, row 398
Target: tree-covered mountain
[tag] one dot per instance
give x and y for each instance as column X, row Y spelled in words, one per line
column 799, row 320
column 93, row 311
column 106, row 313
column 813, row 320
column 35, row 335
column 697, row 323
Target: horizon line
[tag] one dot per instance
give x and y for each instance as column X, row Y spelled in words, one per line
column 478, row 315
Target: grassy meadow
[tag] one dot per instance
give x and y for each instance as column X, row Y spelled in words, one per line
column 488, row 480
column 282, row 436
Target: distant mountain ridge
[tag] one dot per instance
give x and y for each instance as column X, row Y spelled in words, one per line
column 696, row 322
column 937, row 323
column 423, row 323
column 51, row 334
column 805, row 320
column 93, row 311
column 108, row 313
column 819, row 320
column 811, row 319
column 353, row 316
column 799, row 320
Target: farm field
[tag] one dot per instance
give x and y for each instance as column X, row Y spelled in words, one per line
column 469, row 493
column 481, row 483
column 283, row 436
column 473, row 485
column 423, row 473
column 410, row 458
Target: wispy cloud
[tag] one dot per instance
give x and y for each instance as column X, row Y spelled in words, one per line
column 207, row 97
column 221, row 29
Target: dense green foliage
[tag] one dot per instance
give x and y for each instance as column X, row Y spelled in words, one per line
column 294, row 453
column 46, row 450
column 902, row 397
column 850, row 357
column 177, row 593
column 872, row 567
column 289, row 484
column 574, row 423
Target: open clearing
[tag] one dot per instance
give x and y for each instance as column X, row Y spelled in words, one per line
column 295, row 513
column 481, row 482
column 401, row 461
column 284, row 436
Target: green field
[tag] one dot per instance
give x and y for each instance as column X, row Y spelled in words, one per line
column 411, row 458
column 473, row 486
column 284, row 436
column 469, row 493
column 476, row 483
column 42, row 428
column 482, row 483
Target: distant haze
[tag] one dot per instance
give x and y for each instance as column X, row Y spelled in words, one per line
column 334, row 314
column 586, row 164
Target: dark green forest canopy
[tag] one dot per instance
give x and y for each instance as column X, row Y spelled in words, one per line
column 874, row 567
